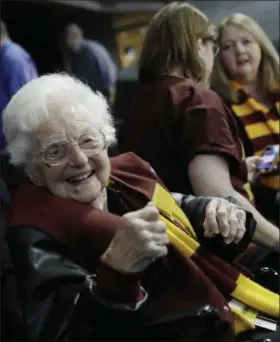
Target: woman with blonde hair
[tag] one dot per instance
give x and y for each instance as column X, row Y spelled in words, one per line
column 177, row 124
column 247, row 77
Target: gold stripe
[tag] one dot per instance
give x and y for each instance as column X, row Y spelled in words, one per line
column 236, row 85
column 243, row 157
column 247, row 188
column 262, row 129
column 257, row 106
column 243, row 320
column 249, row 107
column 277, row 106
column 259, row 152
column 242, row 110
column 256, row 296
column 167, row 205
column 180, row 245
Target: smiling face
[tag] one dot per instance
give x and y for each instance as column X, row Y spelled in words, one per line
column 241, row 54
column 73, row 162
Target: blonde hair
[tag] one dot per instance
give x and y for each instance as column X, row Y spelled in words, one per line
column 269, row 72
column 171, row 41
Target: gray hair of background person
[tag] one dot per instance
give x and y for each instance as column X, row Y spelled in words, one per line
column 269, row 71
column 90, row 61
column 52, row 95
column 75, row 30
column 4, row 31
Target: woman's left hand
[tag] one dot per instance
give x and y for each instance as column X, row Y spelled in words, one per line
column 225, row 218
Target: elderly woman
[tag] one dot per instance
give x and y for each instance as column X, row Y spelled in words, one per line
column 91, row 255
column 247, row 77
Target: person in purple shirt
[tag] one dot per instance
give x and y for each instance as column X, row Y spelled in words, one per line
column 90, row 62
column 17, row 68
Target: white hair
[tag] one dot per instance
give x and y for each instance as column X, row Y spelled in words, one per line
column 54, row 95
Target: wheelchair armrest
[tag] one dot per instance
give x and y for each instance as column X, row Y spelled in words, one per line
column 268, row 278
column 206, row 312
column 200, row 323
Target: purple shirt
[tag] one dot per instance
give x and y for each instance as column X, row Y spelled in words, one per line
column 17, row 68
column 93, row 64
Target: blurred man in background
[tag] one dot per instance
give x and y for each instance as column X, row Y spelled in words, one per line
column 91, row 62
column 17, row 68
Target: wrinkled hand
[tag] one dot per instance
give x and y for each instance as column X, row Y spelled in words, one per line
column 252, row 163
column 139, row 241
column 225, row 218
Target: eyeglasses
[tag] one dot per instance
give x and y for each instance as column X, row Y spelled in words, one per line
column 57, row 152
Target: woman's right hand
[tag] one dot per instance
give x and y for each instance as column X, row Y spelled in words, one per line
column 139, row 241
column 251, row 163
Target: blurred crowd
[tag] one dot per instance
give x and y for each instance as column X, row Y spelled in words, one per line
column 133, row 199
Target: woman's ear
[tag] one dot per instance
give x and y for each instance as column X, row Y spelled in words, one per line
column 34, row 174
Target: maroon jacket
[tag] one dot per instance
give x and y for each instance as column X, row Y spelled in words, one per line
column 84, row 233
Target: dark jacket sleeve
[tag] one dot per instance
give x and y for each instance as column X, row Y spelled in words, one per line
column 57, row 294
column 195, row 209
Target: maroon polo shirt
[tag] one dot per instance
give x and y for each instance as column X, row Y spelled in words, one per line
column 171, row 121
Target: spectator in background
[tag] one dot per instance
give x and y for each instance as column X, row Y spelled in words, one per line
column 180, row 127
column 91, row 62
column 247, row 77
column 17, row 68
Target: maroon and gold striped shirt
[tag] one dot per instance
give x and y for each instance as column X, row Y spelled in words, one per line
column 258, row 125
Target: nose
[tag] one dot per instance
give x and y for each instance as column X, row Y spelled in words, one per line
column 239, row 47
column 77, row 157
